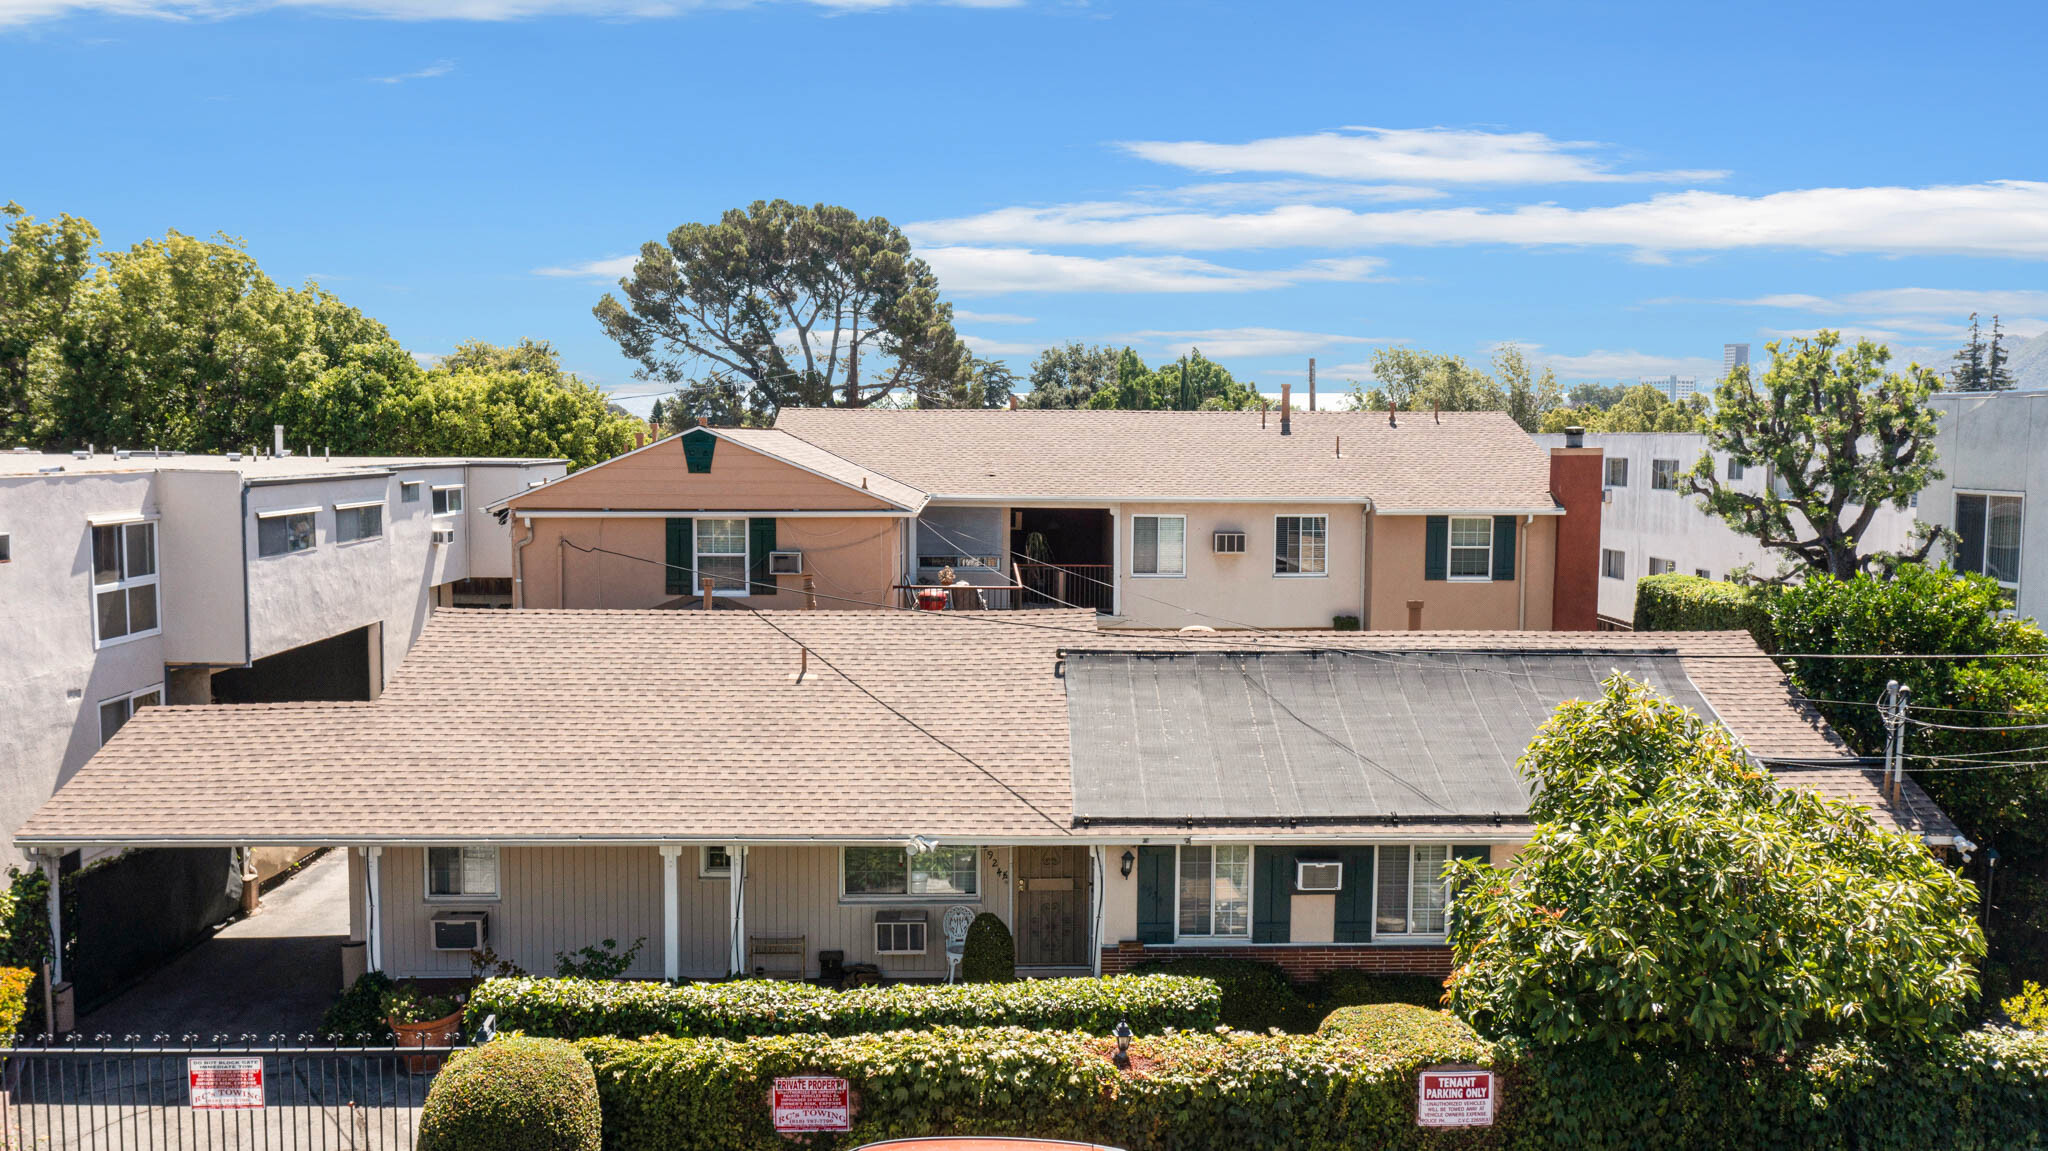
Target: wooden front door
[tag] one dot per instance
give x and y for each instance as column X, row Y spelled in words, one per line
column 1052, row 906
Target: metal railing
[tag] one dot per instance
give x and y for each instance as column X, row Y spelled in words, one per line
column 244, row 1092
column 1078, row 585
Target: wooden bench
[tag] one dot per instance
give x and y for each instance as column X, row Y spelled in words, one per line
column 786, row 954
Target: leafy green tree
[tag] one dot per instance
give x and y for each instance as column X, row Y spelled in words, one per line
column 1842, row 437
column 779, row 305
column 1069, row 376
column 1601, row 396
column 1642, row 408
column 1529, row 395
column 44, row 269
column 1674, row 894
column 1192, row 383
column 654, row 416
column 1997, row 375
column 1411, row 379
column 986, row 384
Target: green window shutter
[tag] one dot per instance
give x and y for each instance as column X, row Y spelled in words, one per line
column 1155, row 894
column 760, row 541
column 1354, row 899
column 682, row 555
column 1272, row 895
column 1503, row 547
column 1436, row 547
column 698, row 445
column 1969, row 549
column 1476, row 851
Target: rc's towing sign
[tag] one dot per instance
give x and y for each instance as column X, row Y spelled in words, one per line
column 811, row 1103
column 1455, row 1097
column 225, row 1082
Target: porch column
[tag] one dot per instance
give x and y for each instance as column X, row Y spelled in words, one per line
column 50, row 862
column 374, row 945
column 1098, row 883
column 736, row 885
column 671, row 927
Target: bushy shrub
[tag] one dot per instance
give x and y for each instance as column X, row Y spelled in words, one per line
column 356, row 1017
column 598, row 961
column 989, row 955
column 1355, row 988
column 513, row 1094
column 579, row 1008
column 1674, row 602
column 1256, row 996
column 1400, row 1027
column 2028, row 1010
column 14, row 985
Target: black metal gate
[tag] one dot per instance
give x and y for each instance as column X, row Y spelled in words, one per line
column 205, row 1097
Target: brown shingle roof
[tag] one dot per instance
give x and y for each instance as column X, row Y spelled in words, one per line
column 1468, row 461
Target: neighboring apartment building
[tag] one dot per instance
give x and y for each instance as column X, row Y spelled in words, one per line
column 1993, row 452
column 1733, row 356
column 1650, row 526
column 134, row 579
column 1153, row 519
column 1677, row 389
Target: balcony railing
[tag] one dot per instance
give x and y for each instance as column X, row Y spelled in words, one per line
column 1068, row 585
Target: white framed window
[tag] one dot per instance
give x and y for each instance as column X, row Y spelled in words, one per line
column 119, row 710
column 1662, row 566
column 722, row 556
column 462, row 873
column 1617, row 471
column 1988, row 535
column 1471, row 548
column 448, row 500
column 6, row 548
column 1215, row 892
column 1301, row 545
column 1159, row 545
column 124, row 581
column 364, row 521
column 714, row 862
column 1613, row 564
column 1664, row 475
column 1736, row 468
column 281, row 533
column 1409, row 892
column 409, row 491
column 943, row 873
column 1703, row 573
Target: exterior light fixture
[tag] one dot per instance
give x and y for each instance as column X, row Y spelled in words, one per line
column 1122, row 1058
column 1130, row 861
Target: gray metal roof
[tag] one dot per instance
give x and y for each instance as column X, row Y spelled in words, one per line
column 1321, row 735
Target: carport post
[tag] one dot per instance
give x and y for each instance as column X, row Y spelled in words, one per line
column 671, row 937
column 56, row 919
column 374, row 951
column 1098, row 880
column 737, row 888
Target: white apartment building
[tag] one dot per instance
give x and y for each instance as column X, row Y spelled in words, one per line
column 134, row 579
column 1993, row 452
column 1650, row 526
column 1733, row 356
column 1677, row 389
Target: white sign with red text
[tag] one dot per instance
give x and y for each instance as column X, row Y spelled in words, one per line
column 1455, row 1097
column 812, row 1103
column 225, row 1082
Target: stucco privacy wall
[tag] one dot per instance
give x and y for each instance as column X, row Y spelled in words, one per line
column 853, row 560
column 201, row 550
column 1455, row 605
column 52, row 680
column 1232, row 590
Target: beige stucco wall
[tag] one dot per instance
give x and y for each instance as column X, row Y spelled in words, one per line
column 853, row 560
column 1454, row 605
column 1225, row 591
column 658, row 478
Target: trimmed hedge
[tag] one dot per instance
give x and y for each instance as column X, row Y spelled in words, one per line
column 513, row 1094
column 1256, row 996
column 1399, row 1027
column 1356, row 988
column 1676, row 602
column 583, row 1008
column 988, row 954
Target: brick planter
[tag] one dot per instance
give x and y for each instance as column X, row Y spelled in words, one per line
column 1302, row 962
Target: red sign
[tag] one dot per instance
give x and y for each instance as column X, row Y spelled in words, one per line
column 225, row 1082
column 812, row 1103
column 1455, row 1097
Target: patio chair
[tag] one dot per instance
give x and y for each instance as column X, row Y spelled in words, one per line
column 957, row 920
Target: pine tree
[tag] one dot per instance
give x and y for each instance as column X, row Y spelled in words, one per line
column 654, row 417
column 1968, row 374
column 1997, row 377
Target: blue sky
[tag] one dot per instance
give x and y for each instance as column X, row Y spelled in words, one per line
column 1619, row 187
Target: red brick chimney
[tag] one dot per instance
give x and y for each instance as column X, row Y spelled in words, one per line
column 1575, row 482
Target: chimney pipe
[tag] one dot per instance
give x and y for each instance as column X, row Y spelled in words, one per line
column 277, row 440
column 703, row 421
column 1438, row 410
column 1391, row 409
column 1013, row 403
column 1286, row 409
column 1311, row 383
column 1414, row 615
column 1575, row 437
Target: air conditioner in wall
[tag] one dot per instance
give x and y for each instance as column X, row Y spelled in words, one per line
column 1229, row 543
column 1318, row 875
column 900, row 932
column 1606, row 495
column 785, row 563
column 459, row 930
column 444, row 535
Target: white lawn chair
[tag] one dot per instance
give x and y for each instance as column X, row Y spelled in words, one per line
column 955, row 924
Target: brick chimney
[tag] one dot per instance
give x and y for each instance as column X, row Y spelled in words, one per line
column 1575, row 483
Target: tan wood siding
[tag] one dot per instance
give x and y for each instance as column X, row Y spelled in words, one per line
column 608, row 562
column 658, row 479
column 795, row 891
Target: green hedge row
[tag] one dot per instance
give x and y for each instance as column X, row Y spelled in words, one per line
column 1351, row 1086
column 1258, row 996
column 1688, row 603
column 583, row 1008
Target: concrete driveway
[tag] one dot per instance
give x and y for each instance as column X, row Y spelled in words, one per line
column 271, row 973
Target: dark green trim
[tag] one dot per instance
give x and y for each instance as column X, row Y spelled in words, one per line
column 1503, row 547
column 698, row 445
column 1436, row 547
column 1155, row 894
column 682, row 555
column 1354, row 899
column 760, row 541
column 1272, row 894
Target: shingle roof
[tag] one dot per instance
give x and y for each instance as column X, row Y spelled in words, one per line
column 783, row 446
column 1469, row 461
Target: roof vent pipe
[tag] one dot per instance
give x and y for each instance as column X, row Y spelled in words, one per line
column 1439, row 411
column 1575, row 437
column 1286, row 409
column 1013, row 403
column 1311, row 383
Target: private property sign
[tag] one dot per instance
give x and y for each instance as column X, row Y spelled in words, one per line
column 811, row 1103
column 225, row 1082
column 1455, row 1097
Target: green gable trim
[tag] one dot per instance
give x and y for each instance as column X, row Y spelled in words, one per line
column 1272, row 894
column 1155, row 894
column 1436, row 547
column 760, row 541
column 1503, row 547
column 682, row 555
column 698, row 445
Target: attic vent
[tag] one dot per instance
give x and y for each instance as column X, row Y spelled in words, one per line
column 1229, row 543
column 900, row 932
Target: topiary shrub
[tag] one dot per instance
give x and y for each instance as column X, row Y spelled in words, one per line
column 1399, row 1028
column 989, row 954
column 1674, row 602
column 513, row 1094
column 1355, row 988
column 1256, row 996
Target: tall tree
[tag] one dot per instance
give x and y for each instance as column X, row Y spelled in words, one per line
column 1642, row 408
column 1414, row 380
column 1192, row 383
column 1842, row 437
column 1069, row 376
column 44, row 269
column 1967, row 373
column 1601, row 396
column 1997, row 376
column 781, row 305
column 1529, row 395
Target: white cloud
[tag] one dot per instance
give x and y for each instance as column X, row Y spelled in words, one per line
column 437, row 68
column 1414, row 155
column 2002, row 218
column 1269, row 191
column 992, row 317
column 1630, row 365
column 971, row 269
column 986, row 347
column 1951, row 302
column 609, row 268
column 1240, row 341
column 17, row 12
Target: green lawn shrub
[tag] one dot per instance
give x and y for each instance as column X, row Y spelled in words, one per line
column 513, row 1094
column 1399, row 1027
column 581, row 1008
column 14, row 987
column 1256, row 996
column 989, row 954
column 1674, row 602
column 356, row 1017
column 1356, row 988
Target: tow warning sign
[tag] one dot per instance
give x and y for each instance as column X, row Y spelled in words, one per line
column 1455, row 1097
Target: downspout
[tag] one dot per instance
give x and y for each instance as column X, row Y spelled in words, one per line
column 519, row 564
column 1365, row 511
column 248, row 629
column 1522, row 570
column 561, row 572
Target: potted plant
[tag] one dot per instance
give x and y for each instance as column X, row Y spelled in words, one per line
column 419, row 1019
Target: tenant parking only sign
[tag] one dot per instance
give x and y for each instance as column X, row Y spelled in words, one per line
column 1455, row 1097
column 225, row 1082
column 811, row 1103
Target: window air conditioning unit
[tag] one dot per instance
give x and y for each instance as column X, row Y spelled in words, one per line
column 1229, row 543
column 1606, row 495
column 459, row 931
column 444, row 535
column 900, row 932
column 785, row 563
column 1318, row 875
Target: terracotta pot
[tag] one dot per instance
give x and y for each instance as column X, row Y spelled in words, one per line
column 933, row 599
column 441, row 1032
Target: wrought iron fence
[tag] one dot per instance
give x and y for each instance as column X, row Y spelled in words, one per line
column 246, row 1092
